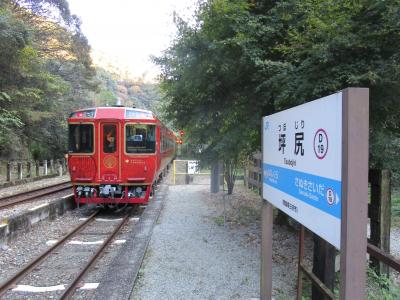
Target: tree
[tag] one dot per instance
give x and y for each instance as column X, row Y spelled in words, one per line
column 206, row 80
column 244, row 59
column 321, row 47
column 47, row 73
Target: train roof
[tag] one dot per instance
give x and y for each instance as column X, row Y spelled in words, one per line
column 113, row 112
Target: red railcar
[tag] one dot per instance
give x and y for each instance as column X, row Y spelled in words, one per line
column 116, row 154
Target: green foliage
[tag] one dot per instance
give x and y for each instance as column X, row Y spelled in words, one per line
column 219, row 220
column 380, row 287
column 206, row 80
column 242, row 60
column 209, row 86
column 46, row 73
column 132, row 92
column 4, row 97
column 395, row 209
column 328, row 46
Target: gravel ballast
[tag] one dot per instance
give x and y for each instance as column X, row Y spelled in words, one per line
column 25, row 247
column 60, row 268
column 13, row 190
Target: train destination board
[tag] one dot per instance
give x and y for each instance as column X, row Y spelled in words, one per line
column 302, row 164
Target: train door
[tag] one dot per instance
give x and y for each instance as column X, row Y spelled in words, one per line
column 110, row 152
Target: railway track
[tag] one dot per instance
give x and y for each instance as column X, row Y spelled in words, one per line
column 9, row 201
column 57, row 248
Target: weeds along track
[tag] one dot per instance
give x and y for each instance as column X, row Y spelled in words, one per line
column 38, row 194
column 62, row 265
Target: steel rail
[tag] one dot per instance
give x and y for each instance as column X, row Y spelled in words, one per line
column 32, row 195
column 72, row 287
column 33, row 191
column 8, row 284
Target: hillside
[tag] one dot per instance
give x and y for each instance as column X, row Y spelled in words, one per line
column 131, row 92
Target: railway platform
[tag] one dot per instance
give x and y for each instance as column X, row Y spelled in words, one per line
column 21, row 217
column 192, row 256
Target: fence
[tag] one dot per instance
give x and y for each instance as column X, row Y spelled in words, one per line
column 11, row 171
column 189, row 172
column 252, row 173
column 379, row 212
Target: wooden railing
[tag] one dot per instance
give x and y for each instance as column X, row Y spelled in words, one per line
column 379, row 212
column 253, row 172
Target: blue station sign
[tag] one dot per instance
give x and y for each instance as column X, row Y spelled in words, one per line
column 302, row 161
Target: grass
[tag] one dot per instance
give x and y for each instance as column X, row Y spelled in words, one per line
column 247, row 215
column 140, row 273
column 378, row 287
column 219, row 220
column 381, row 287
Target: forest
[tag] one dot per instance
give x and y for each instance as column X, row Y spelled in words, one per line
column 239, row 60
column 46, row 72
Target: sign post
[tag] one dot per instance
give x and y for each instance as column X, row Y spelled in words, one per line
column 315, row 169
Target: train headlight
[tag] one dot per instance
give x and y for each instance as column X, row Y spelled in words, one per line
column 138, row 191
column 79, row 191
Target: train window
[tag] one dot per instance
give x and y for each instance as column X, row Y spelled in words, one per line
column 166, row 142
column 138, row 114
column 80, row 138
column 109, row 138
column 140, row 138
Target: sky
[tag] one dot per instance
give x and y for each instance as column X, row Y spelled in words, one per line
column 126, row 32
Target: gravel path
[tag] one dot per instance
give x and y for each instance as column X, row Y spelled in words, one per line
column 191, row 257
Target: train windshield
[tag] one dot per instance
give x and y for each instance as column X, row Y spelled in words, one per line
column 80, row 138
column 140, row 138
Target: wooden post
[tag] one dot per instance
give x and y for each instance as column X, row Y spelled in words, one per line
column 248, row 174
column 353, row 242
column 221, row 174
column 45, row 167
column 380, row 215
column 9, row 168
column 266, row 239
column 266, row 251
column 19, row 167
column 323, row 266
column 215, row 176
column 37, row 165
column 244, row 175
column 300, row 262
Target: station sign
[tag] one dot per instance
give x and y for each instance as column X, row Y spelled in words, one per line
column 193, row 167
column 302, row 164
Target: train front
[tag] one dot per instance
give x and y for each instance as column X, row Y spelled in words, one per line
column 112, row 155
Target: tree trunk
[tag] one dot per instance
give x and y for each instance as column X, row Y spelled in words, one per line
column 230, row 174
column 230, row 188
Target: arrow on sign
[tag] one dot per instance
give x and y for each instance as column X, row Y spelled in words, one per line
column 337, row 200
